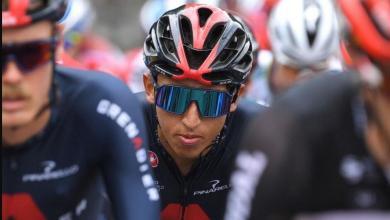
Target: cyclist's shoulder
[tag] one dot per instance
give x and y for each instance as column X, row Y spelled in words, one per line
column 248, row 107
column 83, row 92
column 90, row 83
column 246, row 110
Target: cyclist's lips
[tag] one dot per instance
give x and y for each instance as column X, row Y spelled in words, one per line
column 189, row 139
column 11, row 104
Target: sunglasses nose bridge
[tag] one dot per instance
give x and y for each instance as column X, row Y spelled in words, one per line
column 192, row 116
column 11, row 73
column 11, row 70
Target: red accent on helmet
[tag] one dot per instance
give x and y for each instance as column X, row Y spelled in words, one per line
column 199, row 35
column 189, row 73
column 360, row 15
column 16, row 15
column 18, row 12
column 199, row 42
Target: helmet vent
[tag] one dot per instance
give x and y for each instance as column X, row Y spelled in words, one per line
column 312, row 16
column 230, row 50
column 214, row 35
column 204, row 14
column 244, row 62
column 195, row 57
column 150, row 45
column 166, row 36
column 186, row 31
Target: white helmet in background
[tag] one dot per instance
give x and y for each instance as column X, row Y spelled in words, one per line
column 304, row 33
column 78, row 20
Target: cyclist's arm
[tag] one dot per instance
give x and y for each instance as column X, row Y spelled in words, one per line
column 124, row 156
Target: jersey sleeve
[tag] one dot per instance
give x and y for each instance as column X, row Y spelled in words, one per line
column 116, row 117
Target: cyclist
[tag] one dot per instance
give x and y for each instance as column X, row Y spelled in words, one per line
column 198, row 57
column 323, row 149
column 304, row 36
column 64, row 130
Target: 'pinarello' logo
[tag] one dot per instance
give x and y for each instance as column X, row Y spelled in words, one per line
column 153, row 159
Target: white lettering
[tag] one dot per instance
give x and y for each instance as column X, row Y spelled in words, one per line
column 147, row 180
column 250, row 167
column 141, row 155
column 49, row 166
column 114, row 111
column 143, row 168
column 132, row 130
column 37, row 177
column 66, row 216
column 123, row 119
column 153, row 194
column 103, row 106
column 81, row 207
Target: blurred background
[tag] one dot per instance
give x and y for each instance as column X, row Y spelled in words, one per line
column 118, row 20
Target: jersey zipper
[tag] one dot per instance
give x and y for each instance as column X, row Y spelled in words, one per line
column 183, row 204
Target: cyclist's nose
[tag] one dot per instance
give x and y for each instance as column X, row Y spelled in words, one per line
column 11, row 73
column 191, row 118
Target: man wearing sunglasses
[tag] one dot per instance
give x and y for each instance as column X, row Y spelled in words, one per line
column 330, row 155
column 198, row 57
column 65, row 131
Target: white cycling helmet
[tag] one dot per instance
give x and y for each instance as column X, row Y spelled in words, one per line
column 304, row 33
column 78, row 20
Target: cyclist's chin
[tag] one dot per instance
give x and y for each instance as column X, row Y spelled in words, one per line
column 189, row 151
column 18, row 117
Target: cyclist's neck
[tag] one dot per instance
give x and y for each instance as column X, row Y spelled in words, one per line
column 14, row 136
column 184, row 164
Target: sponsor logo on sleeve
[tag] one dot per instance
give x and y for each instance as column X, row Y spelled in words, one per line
column 123, row 120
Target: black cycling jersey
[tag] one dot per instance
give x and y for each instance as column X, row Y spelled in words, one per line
column 307, row 154
column 201, row 194
column 96, row 132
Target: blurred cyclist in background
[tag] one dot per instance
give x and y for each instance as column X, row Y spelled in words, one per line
column 65, row 130
column 304, row 37
column 322, row 151
column 198, row 57
column 93, row 52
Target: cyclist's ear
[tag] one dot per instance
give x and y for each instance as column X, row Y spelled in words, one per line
column 149, row 87
column 237, row 96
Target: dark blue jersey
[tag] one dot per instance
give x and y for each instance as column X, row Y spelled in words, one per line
column 96, row 135
column 202, row 193
column 307, row 155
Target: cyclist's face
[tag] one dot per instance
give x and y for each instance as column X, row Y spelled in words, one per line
column 24, row 93
column 186, row 136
